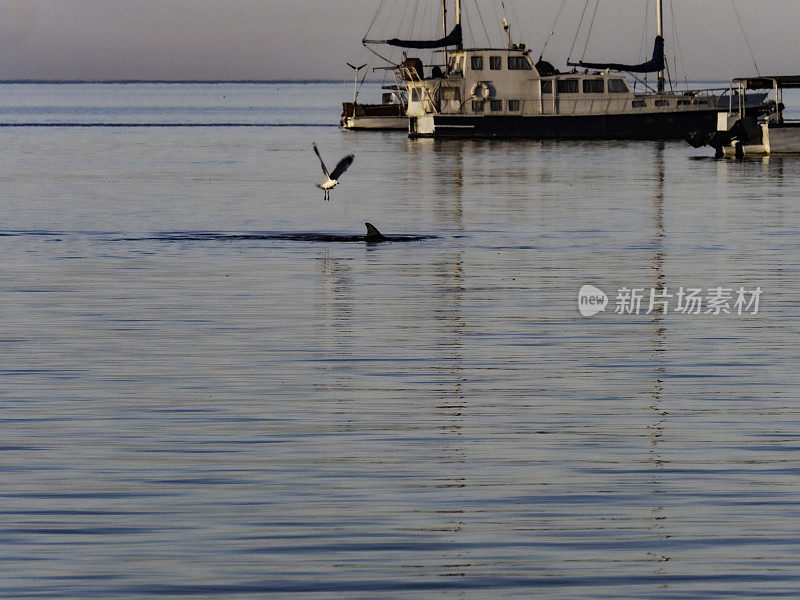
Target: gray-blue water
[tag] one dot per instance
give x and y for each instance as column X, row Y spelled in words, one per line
column 209, row 390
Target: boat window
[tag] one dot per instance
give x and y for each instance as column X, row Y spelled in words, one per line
column 547, row 86
column 451, row 93
column 454, row 65
column 416, row 94
column 617, row 86
column 593, row 86
column 496, row 105
column 396, row 97
column 662, row 102
column 567, row 86
column 684, row 102
column 476, row 62
column 495, row 63
column 702, row 102
column 638, row 104
column 513, row 106
column 477, row 106
column 518, row 63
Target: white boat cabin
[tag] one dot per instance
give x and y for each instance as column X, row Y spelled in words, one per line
column 494, row 81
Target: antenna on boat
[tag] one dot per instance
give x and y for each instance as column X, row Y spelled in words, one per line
column 507, row 29
column 660, row 33
column 355, row 82
column 506, row 26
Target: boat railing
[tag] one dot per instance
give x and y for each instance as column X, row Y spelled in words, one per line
column 711, row 91
column 772, row 83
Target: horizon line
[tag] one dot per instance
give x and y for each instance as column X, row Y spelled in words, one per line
column 227, row 81
column 129, row 81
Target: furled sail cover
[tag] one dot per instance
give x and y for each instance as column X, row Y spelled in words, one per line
column 769, row 81
column 451, row 39
column 651, row 66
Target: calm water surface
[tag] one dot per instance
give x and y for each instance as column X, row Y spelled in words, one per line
column 201, row 397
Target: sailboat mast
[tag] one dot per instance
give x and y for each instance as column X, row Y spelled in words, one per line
column 444, row 27
column 660, row 32
column 444, row 24
column 458, row 22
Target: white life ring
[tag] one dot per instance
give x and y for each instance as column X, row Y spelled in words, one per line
column 483, row 90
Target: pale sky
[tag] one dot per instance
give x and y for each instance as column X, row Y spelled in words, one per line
column 312, row 39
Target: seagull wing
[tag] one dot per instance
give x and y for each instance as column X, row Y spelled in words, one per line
column 324, row 168
column 343, row 165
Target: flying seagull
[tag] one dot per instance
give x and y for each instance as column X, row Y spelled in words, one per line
column 332, row 179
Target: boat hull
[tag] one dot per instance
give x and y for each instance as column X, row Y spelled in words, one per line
column 376, row 123
column 373, row 116
column 676, row 125
column 781, row 139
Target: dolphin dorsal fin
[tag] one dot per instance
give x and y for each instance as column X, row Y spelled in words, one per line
column 373, row 235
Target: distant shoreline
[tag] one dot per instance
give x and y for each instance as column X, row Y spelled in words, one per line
column 230, row 81
column 169, row 81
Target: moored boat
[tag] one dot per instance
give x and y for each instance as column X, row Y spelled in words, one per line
column 741, row 133
column 502, row 92
column 389, row 114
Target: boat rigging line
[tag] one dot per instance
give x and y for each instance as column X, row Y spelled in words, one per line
column 517, row 22
column 552, row 29
column 678, row 53
column 374, row 18
column 497, row 17
column 483, row 23
column 591, row 25
column 752, row 56
column 643, row 48
column 644, row 44
column 577, row 31
column 414, row 16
